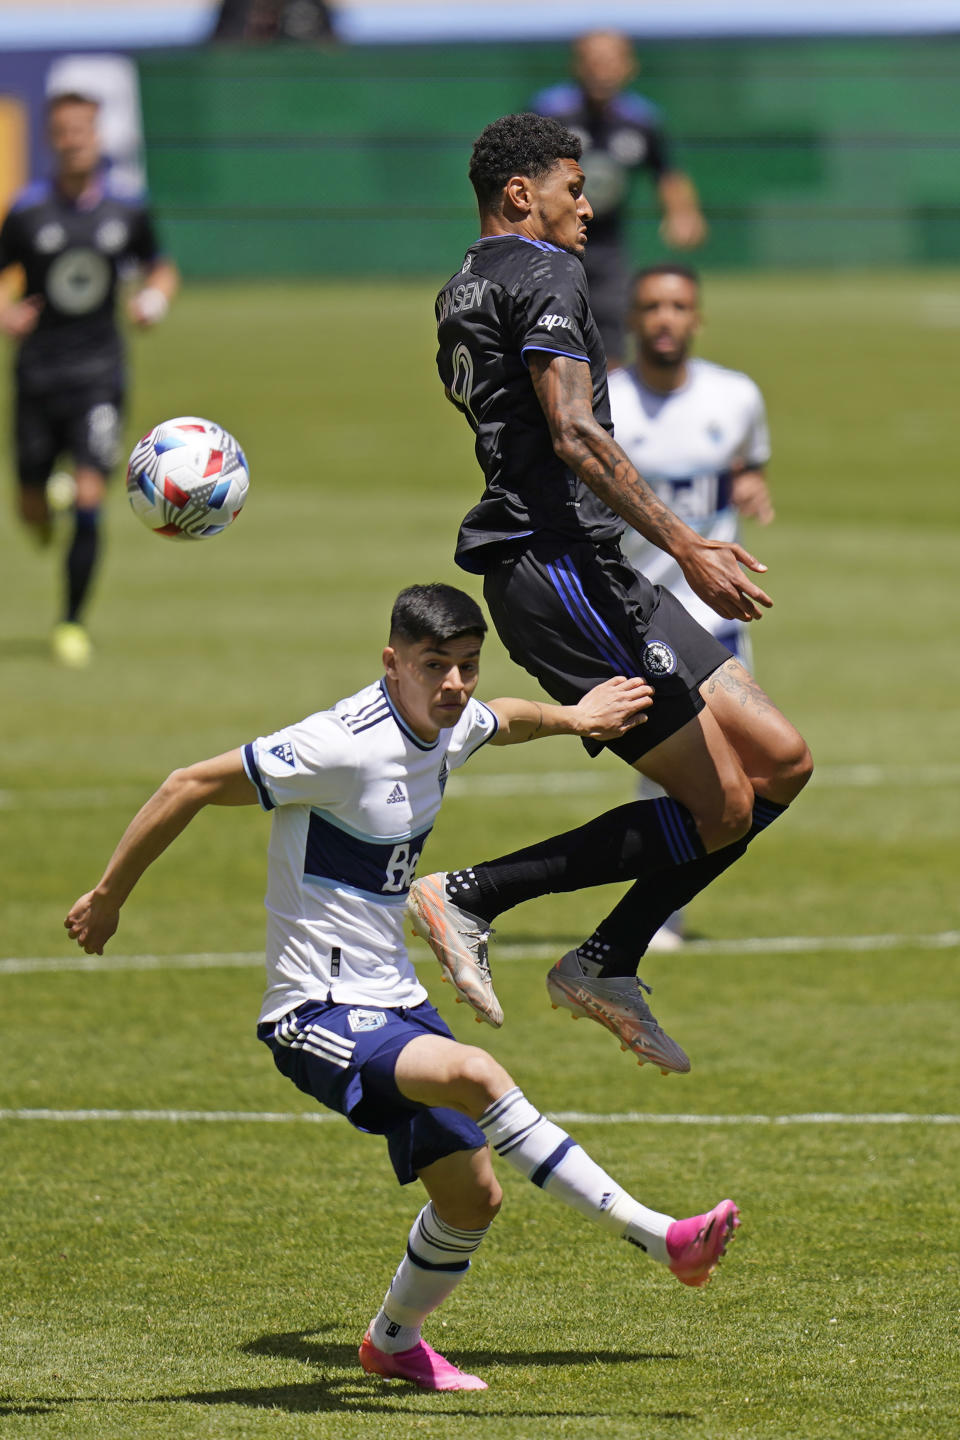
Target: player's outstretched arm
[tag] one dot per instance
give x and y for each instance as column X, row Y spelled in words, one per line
column 221, row 781
column 605, row 712
column 683, row 225
column 712, row 568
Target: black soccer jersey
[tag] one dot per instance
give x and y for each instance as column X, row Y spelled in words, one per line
column 511, row 296
column 72, row 253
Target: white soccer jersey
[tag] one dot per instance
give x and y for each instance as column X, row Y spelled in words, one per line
column 686, row 445
column 354, row 794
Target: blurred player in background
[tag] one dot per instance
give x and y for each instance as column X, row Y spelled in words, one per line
column 698, row 433
column 620, row 133
column 262, row 22
column 72, row 238
column 354, row 792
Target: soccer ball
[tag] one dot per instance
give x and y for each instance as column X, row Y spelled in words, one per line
column 187, row 479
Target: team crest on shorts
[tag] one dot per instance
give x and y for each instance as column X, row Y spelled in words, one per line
column 360, row 1020
column 658, row 659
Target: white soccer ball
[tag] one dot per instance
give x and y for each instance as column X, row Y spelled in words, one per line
column 187, row 479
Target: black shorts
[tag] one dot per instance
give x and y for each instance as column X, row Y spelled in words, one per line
column 84, row 423
column 574, row 614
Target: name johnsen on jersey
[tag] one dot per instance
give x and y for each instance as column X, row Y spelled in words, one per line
column 464, row 297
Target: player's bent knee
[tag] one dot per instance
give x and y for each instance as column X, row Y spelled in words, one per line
column 474, row 1210
column 480, row 1077
column 792, row 768
column 484, row 1204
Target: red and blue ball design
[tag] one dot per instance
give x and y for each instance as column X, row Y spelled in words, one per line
column 187, row 479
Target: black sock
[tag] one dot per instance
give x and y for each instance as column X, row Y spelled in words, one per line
column 618, row 941
column 645, row 835
column 82, row 559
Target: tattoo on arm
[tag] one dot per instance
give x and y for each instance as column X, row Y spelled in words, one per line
column 564, row 389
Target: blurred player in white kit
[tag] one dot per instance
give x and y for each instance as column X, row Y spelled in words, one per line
column 698, row 434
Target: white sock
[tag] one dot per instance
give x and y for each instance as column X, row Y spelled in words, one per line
column 548, row 1157
column 437, row 1258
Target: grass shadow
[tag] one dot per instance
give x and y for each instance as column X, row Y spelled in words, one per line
column 339, row 1384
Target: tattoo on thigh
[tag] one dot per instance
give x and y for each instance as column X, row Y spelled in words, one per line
column 735, row 679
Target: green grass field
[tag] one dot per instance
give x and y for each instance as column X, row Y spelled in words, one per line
column 212, row 1276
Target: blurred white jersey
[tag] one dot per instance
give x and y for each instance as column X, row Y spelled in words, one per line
column 687, row 445
column 354, row 794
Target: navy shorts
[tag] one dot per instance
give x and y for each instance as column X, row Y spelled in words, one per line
column 345, row 1055
column 574, row 614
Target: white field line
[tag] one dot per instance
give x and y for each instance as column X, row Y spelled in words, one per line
column 480, row 786
column 571, row 1117
column 535, row 951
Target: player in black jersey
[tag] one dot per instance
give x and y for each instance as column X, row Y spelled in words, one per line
column 72, row 237
column 520, row 356
column 621, row 133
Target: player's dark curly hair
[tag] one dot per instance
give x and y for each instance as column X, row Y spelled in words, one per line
column 524, row 144
column 435, row 612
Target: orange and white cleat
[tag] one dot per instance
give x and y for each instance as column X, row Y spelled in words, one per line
column 617, row 1004
column 459, row 941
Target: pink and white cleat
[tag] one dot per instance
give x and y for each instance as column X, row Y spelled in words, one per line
column 696, row 1245
column 420, row 1364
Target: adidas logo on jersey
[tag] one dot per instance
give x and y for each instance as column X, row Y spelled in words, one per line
column 285, row 753
column 397, row 795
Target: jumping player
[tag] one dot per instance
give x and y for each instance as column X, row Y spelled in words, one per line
column 520, row 357
column 353, row 792
column 72, row 237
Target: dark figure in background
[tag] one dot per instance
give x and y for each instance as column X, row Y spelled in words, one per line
column 73, row 237
column 620, row 133
column 263, row 21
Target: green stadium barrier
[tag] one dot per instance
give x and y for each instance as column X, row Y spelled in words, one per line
column 289, row 162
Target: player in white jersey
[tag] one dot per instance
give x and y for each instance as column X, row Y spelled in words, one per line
column 698, row 434
column 354, row 791
column 698, row 430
